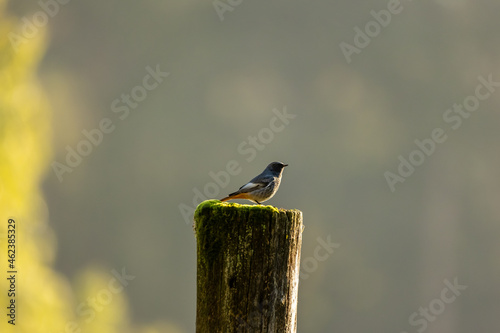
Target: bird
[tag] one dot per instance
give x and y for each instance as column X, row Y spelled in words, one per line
column 261, row 188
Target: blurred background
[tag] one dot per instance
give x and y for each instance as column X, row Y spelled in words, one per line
column 117, row 117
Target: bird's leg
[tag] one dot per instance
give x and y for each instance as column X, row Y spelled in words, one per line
column 258, row 202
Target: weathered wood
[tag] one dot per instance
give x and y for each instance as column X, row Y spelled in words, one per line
column 248, row 268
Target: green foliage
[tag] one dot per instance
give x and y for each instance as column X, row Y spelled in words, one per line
column 226, row 207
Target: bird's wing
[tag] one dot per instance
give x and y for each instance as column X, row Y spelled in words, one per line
column 255, row 184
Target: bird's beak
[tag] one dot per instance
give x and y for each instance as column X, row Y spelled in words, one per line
column 284, row 165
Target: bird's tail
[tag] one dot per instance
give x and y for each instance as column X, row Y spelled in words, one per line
column 235, row 195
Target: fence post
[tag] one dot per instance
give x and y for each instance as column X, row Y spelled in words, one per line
column 248, row 267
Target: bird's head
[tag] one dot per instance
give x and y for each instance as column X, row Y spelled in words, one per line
column 276, row 167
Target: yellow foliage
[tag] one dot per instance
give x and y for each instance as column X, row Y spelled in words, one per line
column 102, row 306
column 45, row 300
column 42, row 296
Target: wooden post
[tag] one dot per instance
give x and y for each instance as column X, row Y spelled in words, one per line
column 248, row 268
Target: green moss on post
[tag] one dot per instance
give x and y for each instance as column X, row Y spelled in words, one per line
column 248, row 267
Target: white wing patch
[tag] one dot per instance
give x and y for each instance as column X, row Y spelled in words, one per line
column 249, row 187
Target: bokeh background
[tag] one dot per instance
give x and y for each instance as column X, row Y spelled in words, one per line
column 123, row 206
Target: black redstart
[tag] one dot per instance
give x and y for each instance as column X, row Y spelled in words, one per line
column 261, row 188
